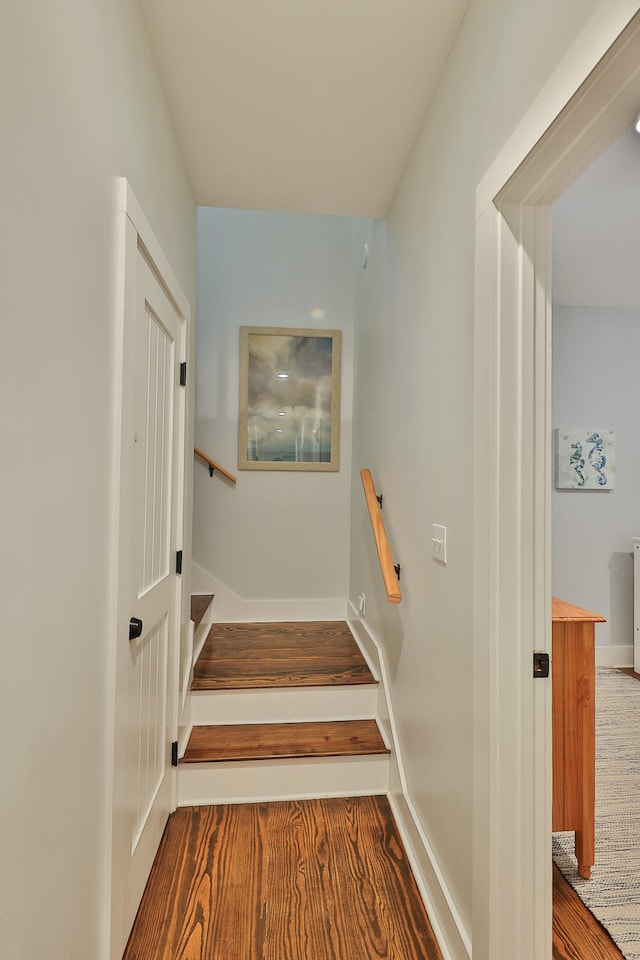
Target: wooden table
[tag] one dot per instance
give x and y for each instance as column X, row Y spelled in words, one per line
column 574, row 726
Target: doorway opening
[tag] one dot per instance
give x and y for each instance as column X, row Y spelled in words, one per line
column 556, row 142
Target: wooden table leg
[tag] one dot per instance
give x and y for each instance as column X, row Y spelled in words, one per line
column 574, row 747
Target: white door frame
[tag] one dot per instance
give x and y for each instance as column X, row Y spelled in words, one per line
column 588, row 103
column 134, row 230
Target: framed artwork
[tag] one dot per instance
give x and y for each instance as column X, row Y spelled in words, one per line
column 289, row 399
column 585, row 459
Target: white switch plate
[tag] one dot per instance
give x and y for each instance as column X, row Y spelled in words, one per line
column 439, row 542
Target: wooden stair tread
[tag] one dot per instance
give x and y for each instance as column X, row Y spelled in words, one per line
column 310, row 653
column 265, row 741
column 199, row 606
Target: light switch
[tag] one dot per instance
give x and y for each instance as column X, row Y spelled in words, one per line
column 439, row 542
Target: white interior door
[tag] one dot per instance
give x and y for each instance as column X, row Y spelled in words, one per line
column 149, row 592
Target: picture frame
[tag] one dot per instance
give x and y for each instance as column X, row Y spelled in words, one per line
column 585, row 459
column 289, row 407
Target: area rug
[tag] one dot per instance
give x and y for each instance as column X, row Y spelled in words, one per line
column 613, row 892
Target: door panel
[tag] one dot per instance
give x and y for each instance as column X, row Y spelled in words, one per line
column 146, row 685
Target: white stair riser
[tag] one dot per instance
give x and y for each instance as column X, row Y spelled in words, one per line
column 284, row 704
column 242, row 781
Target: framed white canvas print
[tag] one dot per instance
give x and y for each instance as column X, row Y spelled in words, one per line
column 585, row 459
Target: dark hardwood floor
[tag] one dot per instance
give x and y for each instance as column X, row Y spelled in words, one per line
column 307, row 880
column 315, row 880
column 267, row 741
column 577, row 935
column 241, row 655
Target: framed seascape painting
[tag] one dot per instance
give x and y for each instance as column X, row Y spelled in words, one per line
column 289, row 399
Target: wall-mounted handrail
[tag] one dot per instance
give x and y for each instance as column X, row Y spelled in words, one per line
column 213, row 466
column 390, row 573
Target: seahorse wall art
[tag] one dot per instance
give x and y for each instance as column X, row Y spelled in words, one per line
column 585, row 459
column 577, row 463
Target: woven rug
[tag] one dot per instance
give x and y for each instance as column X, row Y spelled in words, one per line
column 613, row 892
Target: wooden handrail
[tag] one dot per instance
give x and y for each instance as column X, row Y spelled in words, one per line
column 390, row 574
column 213, row 465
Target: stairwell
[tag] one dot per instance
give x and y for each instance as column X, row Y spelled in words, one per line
column 280, row 711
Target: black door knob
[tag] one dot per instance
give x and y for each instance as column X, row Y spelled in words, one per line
column 135, row 628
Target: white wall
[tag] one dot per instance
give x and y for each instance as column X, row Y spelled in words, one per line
column 596, row 232
column 276, row 534
column 413, row 410
column 595, row 382
column 81, row 105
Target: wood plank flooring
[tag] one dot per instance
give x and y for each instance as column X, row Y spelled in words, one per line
column 241, row 655
column 577, row 935
column 307, row 880
column 267, row 741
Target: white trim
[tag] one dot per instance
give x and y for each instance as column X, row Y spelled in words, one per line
column 190, row 659
column 200, row 637
column 229, row 607
column 512, row 478
column 620, row 655
column 184, row 740
column 512, row 594
column 564, row 87
column 116, row 460
column 452, row 936
column 154, row 251
column 448, row 928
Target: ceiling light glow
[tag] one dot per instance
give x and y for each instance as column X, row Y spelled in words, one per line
column 283, row 376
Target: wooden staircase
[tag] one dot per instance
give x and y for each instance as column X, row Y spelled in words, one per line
column 282, row 710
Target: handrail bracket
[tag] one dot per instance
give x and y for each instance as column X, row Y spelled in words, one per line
column 213, row 466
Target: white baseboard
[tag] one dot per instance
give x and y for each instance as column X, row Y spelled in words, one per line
column 190, row 659
column 448, row 928
column 616, row 656
column 447, row 924
column 200, row 634
column 229, row 607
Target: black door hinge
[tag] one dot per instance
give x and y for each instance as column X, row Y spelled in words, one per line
column 174, row 753
column 540, row 665
column 183, row 373
column 178, row 561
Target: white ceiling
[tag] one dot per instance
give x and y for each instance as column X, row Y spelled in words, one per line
column 596, row 232
column 299, row 105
